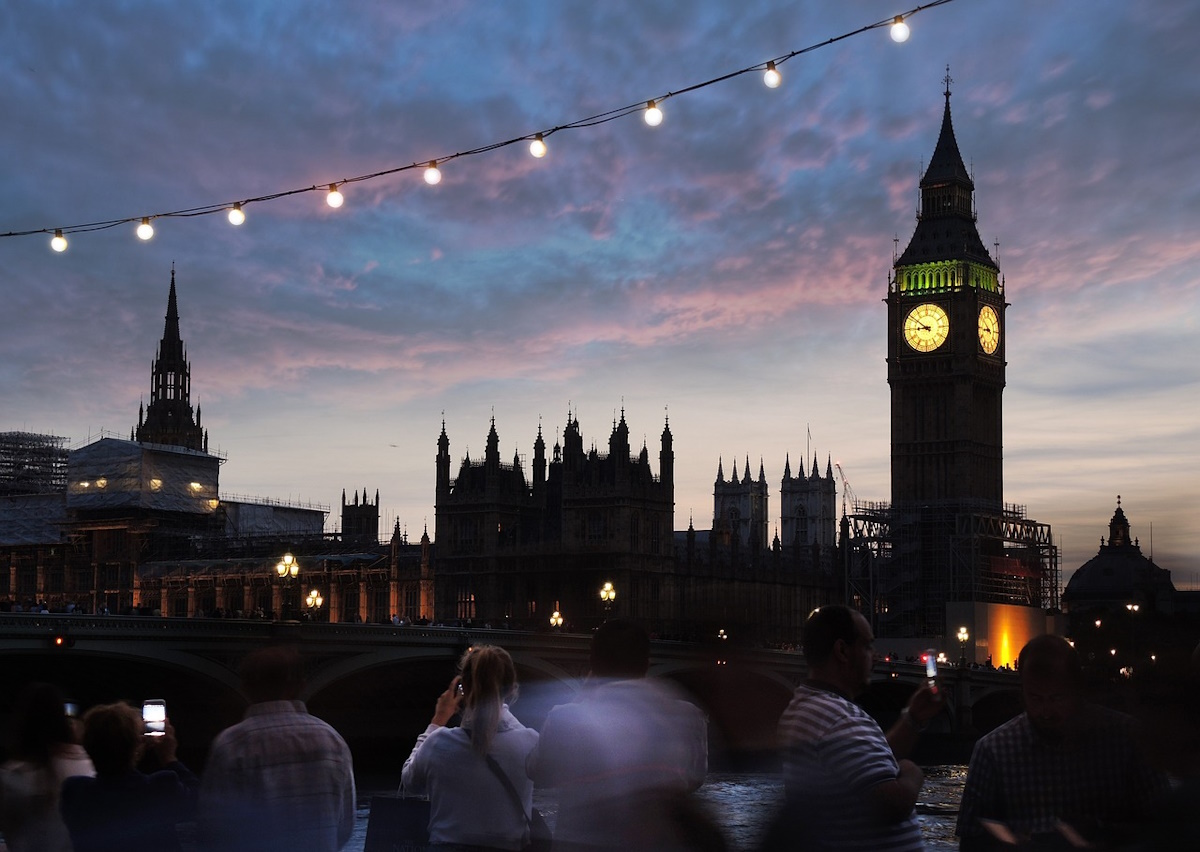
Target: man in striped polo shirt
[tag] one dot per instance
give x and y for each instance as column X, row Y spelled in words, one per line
column 848, row 785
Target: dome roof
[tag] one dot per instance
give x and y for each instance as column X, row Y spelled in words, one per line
column 1118, row 572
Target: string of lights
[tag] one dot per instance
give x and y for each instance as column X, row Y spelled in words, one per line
column 651, row 111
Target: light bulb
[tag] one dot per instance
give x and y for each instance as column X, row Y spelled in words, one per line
column 58, row 242
column 771, row 77
column 433, row 175
column 538, row 146
column 899, row 30
column 334, row 198
column 145, row 230
column 654, row 115
column 236, row 216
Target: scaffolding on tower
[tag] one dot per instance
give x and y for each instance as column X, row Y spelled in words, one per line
column 903, row 566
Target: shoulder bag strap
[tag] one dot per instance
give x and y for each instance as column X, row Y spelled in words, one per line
column 508, row 785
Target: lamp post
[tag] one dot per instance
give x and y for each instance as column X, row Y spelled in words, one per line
column 314, row 602
column 1133, row 611
column 963, row 636
column 608, row 594
column 288, row 570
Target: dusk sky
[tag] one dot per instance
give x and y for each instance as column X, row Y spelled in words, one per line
column 727, row 268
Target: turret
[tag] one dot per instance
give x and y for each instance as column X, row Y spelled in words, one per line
column 666, row 458
column 443, row 462
column 539, row 467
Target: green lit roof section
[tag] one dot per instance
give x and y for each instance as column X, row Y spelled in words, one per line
column 946, row 276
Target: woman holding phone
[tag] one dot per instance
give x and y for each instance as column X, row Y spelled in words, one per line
column 460, row 768
column 122, row 809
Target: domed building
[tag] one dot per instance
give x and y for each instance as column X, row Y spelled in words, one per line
column 1119, row 575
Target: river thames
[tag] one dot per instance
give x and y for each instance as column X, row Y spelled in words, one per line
column 743, row 804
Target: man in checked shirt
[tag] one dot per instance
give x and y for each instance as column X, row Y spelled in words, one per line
column 280, row 779
column 1059, row 774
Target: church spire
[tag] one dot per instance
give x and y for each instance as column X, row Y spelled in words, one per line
column 169, row 418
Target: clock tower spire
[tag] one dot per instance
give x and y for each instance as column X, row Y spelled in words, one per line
column 946, row 346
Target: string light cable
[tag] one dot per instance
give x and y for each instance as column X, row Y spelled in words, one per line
column 649, row 108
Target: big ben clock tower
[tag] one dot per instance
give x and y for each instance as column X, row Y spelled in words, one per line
column 946, row 340
column 948, row 552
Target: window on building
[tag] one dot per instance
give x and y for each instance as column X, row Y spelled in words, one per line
column 465, row 601
column 596, row 531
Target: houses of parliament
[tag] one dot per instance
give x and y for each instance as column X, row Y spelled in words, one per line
column 140, row 525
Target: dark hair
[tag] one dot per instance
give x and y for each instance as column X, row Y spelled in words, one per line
column 112, row 736
column 274, row 673
column 1050, row 656
column 39, row 723
column 620, row 649
column 489, row 678
column 823, row 629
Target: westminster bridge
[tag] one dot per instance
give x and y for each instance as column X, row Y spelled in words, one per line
column 377, row 683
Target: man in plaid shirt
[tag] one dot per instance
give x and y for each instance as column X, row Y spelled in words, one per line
column 280, row 780
column 1062, row 771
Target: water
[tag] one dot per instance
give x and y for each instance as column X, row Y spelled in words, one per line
column 743, row 804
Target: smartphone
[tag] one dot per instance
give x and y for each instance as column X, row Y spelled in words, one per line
column 154, row 717
column 71, row 709
column 931, row 668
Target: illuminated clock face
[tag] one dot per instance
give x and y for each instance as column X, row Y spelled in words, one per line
column 926, row 327
column 989, row 329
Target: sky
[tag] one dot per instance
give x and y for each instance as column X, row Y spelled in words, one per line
column 726, row 269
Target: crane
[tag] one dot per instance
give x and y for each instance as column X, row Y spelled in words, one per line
column 846, row 489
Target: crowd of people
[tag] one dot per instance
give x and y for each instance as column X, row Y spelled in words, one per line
column 622, row 761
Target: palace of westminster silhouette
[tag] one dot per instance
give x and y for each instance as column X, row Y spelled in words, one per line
column 139, row 525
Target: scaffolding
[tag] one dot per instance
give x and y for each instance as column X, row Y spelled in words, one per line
column 903, row 566
column 32, row 463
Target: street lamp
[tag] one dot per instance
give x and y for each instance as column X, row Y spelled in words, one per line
column 963, row 636
column 288, row 570
column 1133, row 610
column 607, row 595
column 287, row 566
column 314, row 601
column 556, row 620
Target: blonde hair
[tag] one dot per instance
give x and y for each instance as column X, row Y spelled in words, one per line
column 489, row 679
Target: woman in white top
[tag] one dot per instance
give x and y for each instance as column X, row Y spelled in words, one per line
column 45, row 753
column 470, row 807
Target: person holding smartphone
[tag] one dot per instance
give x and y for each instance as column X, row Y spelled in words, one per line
column 459, row 767
column 848, row 784
column 123, row 809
